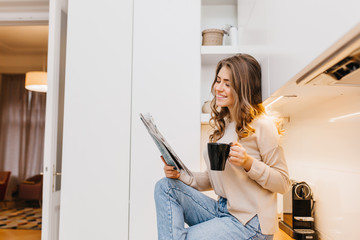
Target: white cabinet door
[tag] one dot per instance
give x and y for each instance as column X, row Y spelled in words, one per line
column 293, row 33
column 96, row 136
column 299, row 31
column 166, row 83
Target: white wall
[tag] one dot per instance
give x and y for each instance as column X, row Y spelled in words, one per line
column 326, row 155
column 96, row 149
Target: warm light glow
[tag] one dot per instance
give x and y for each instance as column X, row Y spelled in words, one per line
column 344, row 116
column 36, row 81
column 276, row 99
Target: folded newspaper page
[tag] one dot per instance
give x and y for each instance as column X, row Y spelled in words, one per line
column 167, row 152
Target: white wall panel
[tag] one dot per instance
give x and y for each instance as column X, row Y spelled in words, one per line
column 166, row 83
column 96, row 149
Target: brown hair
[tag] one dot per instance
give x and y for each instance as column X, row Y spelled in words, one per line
column 245, row 85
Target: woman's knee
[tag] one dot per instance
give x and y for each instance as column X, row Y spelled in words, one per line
column 163, row 185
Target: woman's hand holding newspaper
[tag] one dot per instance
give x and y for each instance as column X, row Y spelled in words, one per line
column 170, row 171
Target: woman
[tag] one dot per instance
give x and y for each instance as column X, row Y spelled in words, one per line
column 255, row 172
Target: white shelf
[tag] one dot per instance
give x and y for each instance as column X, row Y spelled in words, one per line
column 210, row 55
column 218, row 2
column 219, row 49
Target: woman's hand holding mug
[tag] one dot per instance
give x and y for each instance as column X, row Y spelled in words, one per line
column 239, row 157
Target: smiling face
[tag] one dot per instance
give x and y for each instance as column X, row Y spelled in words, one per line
column 222, row 88
column 237, row 95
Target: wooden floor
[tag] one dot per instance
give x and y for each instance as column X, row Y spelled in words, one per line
column 14, row 234
column 281, row 235
column 20, row 234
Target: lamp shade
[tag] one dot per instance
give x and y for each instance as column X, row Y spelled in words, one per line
column 36, row 81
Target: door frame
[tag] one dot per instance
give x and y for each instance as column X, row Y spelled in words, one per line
column 54, row 119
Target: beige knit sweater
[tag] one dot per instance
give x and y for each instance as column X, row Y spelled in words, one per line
column 254, row 192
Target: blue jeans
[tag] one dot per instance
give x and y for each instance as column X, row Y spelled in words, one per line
column 178, row 203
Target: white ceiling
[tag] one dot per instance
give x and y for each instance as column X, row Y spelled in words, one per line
column 24, row 12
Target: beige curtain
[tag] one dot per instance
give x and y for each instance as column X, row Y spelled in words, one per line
column 22, row 126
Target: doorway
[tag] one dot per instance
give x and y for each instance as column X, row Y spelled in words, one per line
column 23, row 48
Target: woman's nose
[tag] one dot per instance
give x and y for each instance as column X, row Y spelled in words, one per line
column 218, row 87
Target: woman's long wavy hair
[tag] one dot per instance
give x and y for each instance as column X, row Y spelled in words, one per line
column 245, row 85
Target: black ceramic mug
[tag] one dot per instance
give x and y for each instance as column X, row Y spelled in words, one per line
column 218, row 154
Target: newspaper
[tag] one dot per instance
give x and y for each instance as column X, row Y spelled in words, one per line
column 167, row 152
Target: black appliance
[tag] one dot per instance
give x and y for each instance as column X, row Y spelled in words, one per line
column 298, row 220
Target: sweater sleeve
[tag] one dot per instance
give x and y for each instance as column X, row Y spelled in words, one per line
column 199, row 180
column 271, row 171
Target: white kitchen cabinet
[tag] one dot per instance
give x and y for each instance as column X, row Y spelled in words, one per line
column 293, row 33
column 166, row 83
column 97, row 120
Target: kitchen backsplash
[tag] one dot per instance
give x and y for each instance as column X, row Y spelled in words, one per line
column 326, row 154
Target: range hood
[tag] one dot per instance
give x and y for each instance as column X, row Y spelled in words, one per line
column 338, row 66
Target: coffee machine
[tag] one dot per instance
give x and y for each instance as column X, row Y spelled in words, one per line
column 298, row 220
